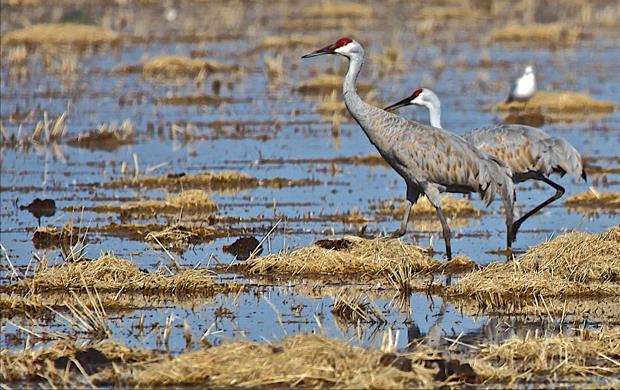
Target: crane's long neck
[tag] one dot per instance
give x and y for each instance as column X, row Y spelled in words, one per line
column 352, row 100
column 434, row 110
column 367, row 116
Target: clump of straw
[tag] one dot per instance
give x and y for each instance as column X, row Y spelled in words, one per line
column 298, row 361
column 110, row 273
column 350, row 255
column 576, row 264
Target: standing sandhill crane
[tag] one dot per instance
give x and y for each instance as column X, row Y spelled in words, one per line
column 431, row 161
column 524, row 86
column 529, row 152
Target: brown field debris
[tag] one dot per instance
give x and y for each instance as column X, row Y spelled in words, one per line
column 189, row 100
column 451, row 206
column 298, row 361
column 326, row 83
column 180, row 236
column 187, row 233
column 570, row 359
column 45, row 237
column 189, row 201
column 221, row 181
column 175, row 66
column 105, row 137
column 576, row 264
column 550, row 33
column 59, row 34
column 164, row 68
column 348, row 255
column 450, row 12
column 591, row 202
column 288, row 41
column 109, row 273
column 303, row 361
column 560, row 103
column 50, row 363
column 338, row 10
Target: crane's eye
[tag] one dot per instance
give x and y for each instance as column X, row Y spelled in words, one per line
column 416, row 93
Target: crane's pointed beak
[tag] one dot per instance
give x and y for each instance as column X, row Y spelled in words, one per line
column 405, row 102
column 325, row 50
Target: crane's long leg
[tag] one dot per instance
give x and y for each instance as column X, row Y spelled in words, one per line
column 412, row 196
column 558, row 194
column 402, row 230
column 446, row 232
column 446, row 237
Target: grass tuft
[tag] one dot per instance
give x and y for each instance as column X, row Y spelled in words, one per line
column 576, row 264
column 59, row 34
column 348, row 255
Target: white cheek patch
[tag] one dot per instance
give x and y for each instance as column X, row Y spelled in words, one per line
column 345, row 49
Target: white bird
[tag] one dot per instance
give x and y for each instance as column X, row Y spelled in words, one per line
column 529, row 152
column 430, row 160
column 524, row 86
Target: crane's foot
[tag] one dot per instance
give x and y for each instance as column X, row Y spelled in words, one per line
column 510, row 256
column 514, row 231
column 398, row 234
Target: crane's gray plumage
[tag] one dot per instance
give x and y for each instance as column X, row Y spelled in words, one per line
column 529, row 152
column 431, row 160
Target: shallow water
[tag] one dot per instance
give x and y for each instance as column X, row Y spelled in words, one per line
column 265, row 120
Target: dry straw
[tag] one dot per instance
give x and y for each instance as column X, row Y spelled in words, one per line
column 288, row 41
column 109, row 273
column 221, row 181
column 591, row 202
column 49, row 363
column 180, row 236
column 58, row 34
column 190, row 201
column 179, row 66
column 325, row 84
column 298, row 361
column 548, row 33
column 560, row 103
column 349, row 255
column 576, row 264
column 339, row 10
column 106, row 136
column 569, row 358
column 451, row 206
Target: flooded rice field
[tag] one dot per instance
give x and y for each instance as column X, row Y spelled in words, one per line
column 186, row 201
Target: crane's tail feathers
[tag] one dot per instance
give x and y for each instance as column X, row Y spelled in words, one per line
column 561, row 157
column 497, row 179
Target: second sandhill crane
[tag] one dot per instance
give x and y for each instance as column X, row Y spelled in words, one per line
column 430, row 160
column 529, row 152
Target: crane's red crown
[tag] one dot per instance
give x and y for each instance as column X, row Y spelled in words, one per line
column 343, row 41
column 416, row 93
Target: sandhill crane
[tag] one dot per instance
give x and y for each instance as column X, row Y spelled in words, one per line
column 524, row 86
column 529, row 152
column 431, row 161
